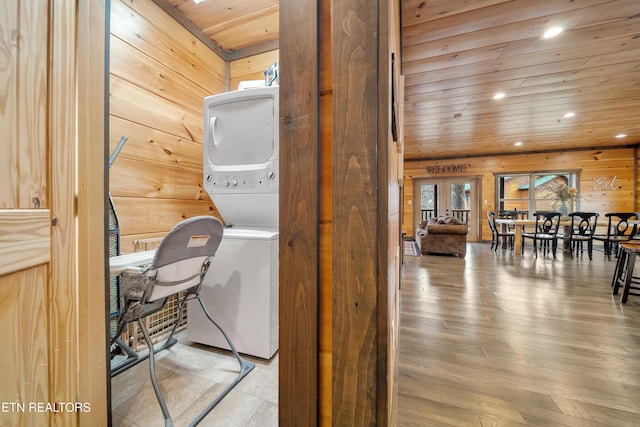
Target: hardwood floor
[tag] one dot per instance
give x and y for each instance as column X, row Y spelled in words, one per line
column 488, row 340
column 494, row 340
column 190, row 376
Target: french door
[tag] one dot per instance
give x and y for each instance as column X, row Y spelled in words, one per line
column 456, row 197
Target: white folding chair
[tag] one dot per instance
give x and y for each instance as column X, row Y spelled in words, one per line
column 180, row 264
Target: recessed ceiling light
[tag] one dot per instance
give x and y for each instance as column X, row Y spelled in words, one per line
column 569, row 114
column 198, row 1
column 621, row 135
column 552, row 32
column 499, row 95
column 518, row 144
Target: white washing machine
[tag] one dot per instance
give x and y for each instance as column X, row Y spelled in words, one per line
column 241, row 293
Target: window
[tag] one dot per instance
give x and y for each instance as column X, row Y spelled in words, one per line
column 514, row 190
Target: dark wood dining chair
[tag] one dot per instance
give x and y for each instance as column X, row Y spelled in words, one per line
column 545, row 233
column 583, row 228
column 498, row 234
column 513, row 214
column 623, row 276
column 618, row 230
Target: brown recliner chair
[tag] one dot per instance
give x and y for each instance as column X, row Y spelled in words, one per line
column 444, row 235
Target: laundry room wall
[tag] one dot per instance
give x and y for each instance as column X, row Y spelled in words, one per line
column 251, row 67
column 159, row 76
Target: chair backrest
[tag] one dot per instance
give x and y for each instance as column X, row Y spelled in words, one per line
column 491, row 217
column 547, row 222
column 506, row 214
column 521, row 214
column 583, row 223
column 513, row 214
column 618, row 223
column 182, row 259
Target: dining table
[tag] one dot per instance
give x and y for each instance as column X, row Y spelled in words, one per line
column 520, row 224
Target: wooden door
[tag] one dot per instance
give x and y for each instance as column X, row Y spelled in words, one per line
column 47, row 58
column 25, row 232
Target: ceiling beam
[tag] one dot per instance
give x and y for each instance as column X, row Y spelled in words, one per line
column 190, row 26
column 254, row 50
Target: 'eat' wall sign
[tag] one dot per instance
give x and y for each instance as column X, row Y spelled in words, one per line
column 604, row 184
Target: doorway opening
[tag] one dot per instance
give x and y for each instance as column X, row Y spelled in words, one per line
column 455, row 197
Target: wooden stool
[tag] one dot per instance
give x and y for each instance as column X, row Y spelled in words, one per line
column 623, row 274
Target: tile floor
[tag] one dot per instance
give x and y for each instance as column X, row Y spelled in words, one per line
column 191, row 375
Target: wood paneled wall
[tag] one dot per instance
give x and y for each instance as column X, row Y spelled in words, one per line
column 606, row 164
column 159, row 76
column 251, row 68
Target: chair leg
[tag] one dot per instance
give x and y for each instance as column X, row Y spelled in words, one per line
column 617, row 273
column 152, row 372
column 132, row 357
column 170, row 339
column 631, row 260
column 122, row 324
column 245, row 367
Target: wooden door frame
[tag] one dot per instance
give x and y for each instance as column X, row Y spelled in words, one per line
column 299, row 214
column 334, row 138
column 91, row 63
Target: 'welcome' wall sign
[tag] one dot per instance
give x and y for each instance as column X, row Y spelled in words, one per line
column 447, row 168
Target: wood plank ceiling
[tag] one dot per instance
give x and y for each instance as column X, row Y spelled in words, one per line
column 457, row 54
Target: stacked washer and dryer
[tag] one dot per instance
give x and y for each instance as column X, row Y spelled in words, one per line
column 241, row 176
